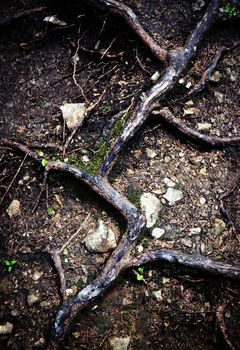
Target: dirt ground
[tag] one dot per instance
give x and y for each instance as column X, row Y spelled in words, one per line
column 37, row 78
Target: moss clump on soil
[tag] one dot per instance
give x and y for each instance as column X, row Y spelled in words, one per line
column 101, row 150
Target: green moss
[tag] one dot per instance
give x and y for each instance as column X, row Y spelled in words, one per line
column 100, row 152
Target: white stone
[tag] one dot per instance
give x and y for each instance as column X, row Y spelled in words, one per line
column 219, row 96
column 37, row 275
column 151, row 206
column 151, row 153
column 14, row 208
column 195, row 231
column 169, row 182
column 32, row 298
column 73, row 113
column 216, row 76
column 6, row 328
column 101, row 239
column 157, row 232
column 155, row 76
column 158, row 295
column 202, row 200
column 119, row 343
column 204, row 126
column 55, row 20
column 187, row 242
column 190, row 111
column 173, row 195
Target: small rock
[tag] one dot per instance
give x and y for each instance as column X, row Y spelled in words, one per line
column 6, row 328
column 216, row 76
column 173, row 195
column 100, row 240
column 188, row 85
column 233, row 77
column 151, row 153
column 139, row 248
column 157, row 232
column 73, row 113
column 219, row 96
column 15, row 313
column 55, row 20
column 71, row 291
column 197, row 6
column 155, row 76
column 14, row 208
column 85, row 159
column 158, row 295
column 40, row 342
column 76, row 335
column 195, row 231
column 189, row 103
column 165, row 280
column 32, row 298
column 219, row 226
column 202, row 200
column 169, row 182
column 37, row 275
column 187, row 242
column 191, row 111
column 204, row 126
column 151, row 206
column 117, row 343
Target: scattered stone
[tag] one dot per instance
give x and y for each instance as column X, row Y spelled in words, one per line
column 76, row 335
column 55, row 20
column 202, row 200
column 197, row 6
column 203, row 171
column 73, row 113
column 155, row 76
column 169, row 182
column 40, row 342
column 165, row 280
column 181, row 81
column 37, row 275
column 216, row 76
column 219, row 226
column 204, row 126
column 151, row 206
column 189, row 103
column 117, row 343
column 6, row 328
column 188, row 85
column 187, row 242
column 191, row 111
column 233, row 77
column 15, row 313
column 151, row 153
column 157, row 232
column 139, row 248
column 85, row 159
column 219, row 96
column 14, row 208
column 158, row 295
column 195, row 231
column 101, row 239
column 173, row 195
column 32, row 298
column 71, row 291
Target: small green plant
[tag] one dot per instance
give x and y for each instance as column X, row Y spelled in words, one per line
column 106, row 110
column 44, row 162
column 9, row 264
column 231, row 11
column 139, row 274
column 50, row 211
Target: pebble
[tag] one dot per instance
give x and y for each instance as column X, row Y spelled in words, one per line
column 219, row 226
column 168, row 182
column 173, row 195
column 32, row 298
column 37, row 275
column 6, row 328
column 219, row 96
column 151, row 207
column 101, row 239
column 151, row 153
column 187, row 242
column 202, row 200
column 216, row 76
column 204, row 126
column 195, row 231
column 73, row 113
column 158, row 295
column 191, row 111
column 119, row 343
column 157, row 232
column 14, row 208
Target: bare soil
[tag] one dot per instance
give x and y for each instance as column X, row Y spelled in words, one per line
column 37, row 78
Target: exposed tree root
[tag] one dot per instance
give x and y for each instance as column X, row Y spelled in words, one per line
column 221, row 321
column 121, row 258
column 9, row 20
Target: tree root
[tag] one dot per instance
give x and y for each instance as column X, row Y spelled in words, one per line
column 121, row 257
